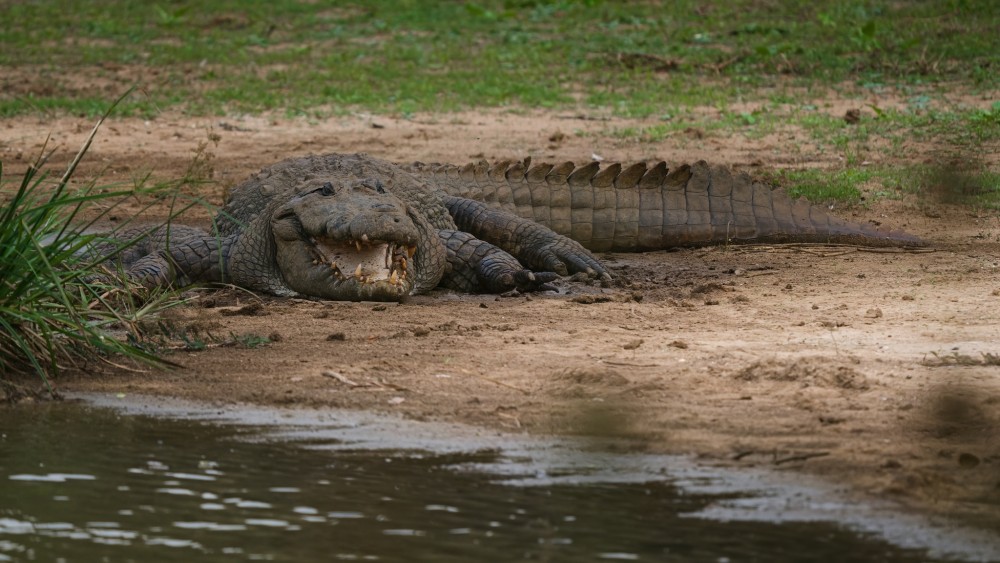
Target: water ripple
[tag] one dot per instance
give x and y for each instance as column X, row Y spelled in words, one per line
column 52, row 477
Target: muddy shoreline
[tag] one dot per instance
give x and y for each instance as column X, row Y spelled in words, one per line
column 868, row 369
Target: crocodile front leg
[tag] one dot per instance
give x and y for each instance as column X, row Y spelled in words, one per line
column 535, row 245
column 194, row 259
column 476, row 266
column 165, row 256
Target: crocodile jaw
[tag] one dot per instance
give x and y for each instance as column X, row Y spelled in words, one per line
column 366, row 262
column 326, row 267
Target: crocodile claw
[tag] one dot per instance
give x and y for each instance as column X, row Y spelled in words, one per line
column 527, row 281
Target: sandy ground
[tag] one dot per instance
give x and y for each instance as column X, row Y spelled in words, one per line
column 878, row 370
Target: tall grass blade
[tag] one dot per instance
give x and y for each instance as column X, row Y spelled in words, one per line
column 60, row 306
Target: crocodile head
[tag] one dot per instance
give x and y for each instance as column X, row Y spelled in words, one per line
column 346, row 240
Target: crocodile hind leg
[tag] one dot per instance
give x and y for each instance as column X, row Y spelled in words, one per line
column 535, row 245
column 476, row 266
column 167, row 256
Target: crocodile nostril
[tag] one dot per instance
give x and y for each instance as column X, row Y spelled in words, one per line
column 396, row 220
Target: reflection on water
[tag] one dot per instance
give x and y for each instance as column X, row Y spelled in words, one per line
column 89, row 484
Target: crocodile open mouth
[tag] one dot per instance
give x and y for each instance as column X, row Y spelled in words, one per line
column 364, row 260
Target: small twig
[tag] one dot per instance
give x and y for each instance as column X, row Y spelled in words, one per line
column 334, row 375
column 718, row 68
column 501, row 384
column 825, row 250
column 386, row 385
column 800, row 457
column 631, row 365
column 859, row 247
column 826, row 254
column 132, row 370
column 582, row 117
column 904, row 250
column 517, row 422
column 817, row 245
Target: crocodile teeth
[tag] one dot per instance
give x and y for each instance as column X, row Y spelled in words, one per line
column 394, row 278
column 364, row 237
column 411, row 250
column 357, row 271
column 358, row 245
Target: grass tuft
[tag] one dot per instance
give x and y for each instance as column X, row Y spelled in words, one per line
column 59, row 305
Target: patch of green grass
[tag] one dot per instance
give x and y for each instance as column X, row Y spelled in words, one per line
column 676, row 121
column 885, row 130
column 959, row 126
column 959, row 180
column 249, row 340
column 83, row 106
column 987, row 190
column 418, row 55
column 59, row 305
column 823, row 185
column 652, row 133
column 966, row 182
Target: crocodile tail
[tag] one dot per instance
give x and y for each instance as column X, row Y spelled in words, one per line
column 641, row 207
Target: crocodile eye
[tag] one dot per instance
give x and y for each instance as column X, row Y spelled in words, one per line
column 327, row 189
column 379, row 187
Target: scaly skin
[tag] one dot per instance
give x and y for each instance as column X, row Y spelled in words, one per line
column 647, row 208
column 351, row 227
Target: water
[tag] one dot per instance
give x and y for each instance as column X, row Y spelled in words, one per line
column 83, row 483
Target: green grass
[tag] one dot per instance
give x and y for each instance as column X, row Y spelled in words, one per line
column 59, row 305
column 642, row 59
column 406, row 56
column 967, row 183
column 960, row 127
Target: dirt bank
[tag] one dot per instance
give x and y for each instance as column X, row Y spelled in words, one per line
column 875, row 369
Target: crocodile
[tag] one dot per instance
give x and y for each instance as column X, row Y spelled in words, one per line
column 354, row 227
